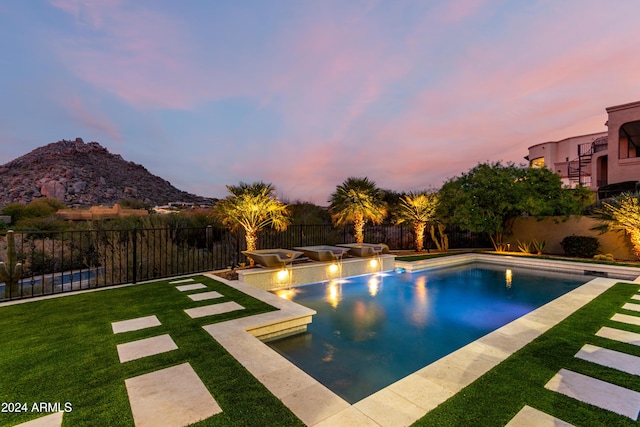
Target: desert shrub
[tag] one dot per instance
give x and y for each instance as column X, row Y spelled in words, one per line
column 580, row 246
column 604, row 257
column 538, row 246
column 524, row 247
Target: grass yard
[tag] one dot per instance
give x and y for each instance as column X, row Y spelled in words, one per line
column 64, row 350
column 497, row 396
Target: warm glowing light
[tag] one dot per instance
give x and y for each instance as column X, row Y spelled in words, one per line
column 508, row 276
column 333, row 293
column 287, row 294
column 374, row 286
column 421, row 290
column 283, row 274
column 373, row 263
column 333, row 268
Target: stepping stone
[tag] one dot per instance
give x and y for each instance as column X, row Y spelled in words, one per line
column 636, row 297
column 193, row 287
column 610, row 358
column 171, row 397
column 619, row 335
column 210, row 310
column 52, row 420
column 596, row 392
column 135, row 324
column 205, row 296
column 175, row 282
column 145, row 347
column 632, row 307
column 530, row 417
column 625, row 318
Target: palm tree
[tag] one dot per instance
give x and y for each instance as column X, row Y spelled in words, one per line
column 418, row 209
column 357, row 201
column 252, row 207
column 622, row 214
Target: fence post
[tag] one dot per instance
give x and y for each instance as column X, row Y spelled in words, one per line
column 135, row 254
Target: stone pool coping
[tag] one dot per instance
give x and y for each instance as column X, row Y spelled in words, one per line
column 404, row 401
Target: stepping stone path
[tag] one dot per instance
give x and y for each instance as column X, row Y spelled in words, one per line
column 594, row 391
column 205, row 296
column 135, row 324
column 145, row 347
column 193, row 287
column 52, row 420
column 175, row 282
column 619, row 335
column 631, row 306
column 210, row 310
column 625, row 318
column 174, row 396
column 610, row 358
column 529, row 417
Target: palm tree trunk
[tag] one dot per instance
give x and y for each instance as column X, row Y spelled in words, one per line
column 251, row 238
column 358, row 229
column 419, row 228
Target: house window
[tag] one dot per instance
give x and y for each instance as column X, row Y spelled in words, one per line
column 537, row 163
column 629, row 141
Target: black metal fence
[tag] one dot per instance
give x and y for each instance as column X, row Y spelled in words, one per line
column 65, row 261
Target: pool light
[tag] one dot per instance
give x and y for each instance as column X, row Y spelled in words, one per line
column 283, row 274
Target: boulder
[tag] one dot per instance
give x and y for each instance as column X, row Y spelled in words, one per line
column 54, row 189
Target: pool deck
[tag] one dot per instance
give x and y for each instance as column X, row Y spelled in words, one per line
column 404, row 401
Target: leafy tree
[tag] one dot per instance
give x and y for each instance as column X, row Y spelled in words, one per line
column 39, row 214
column 308, row 213
column 128, row 203
column 491, row 196
column 357, row 200
column 252, row 207
column 622, row 213
column 418, row 209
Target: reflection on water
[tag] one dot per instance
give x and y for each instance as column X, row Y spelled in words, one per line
column 366, row 336
column 374, row 283
column 288, row 294
column 419, row 315
column 334, row 293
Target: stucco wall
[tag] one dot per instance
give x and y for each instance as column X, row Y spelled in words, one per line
column 553, row 230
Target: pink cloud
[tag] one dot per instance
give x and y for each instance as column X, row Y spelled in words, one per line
column 91, row 117
column 138, row 54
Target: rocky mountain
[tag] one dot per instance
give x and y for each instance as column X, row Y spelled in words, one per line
column 84, row 174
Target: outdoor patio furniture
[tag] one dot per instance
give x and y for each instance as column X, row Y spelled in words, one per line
column 323, row 252
column 365, row 249
column 273, row 257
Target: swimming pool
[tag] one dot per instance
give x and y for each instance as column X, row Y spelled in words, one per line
column 370, row 331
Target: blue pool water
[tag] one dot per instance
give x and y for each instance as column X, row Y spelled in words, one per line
column 370, row 331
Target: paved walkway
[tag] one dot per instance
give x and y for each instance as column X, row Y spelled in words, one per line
column 594, row 391
column 173, row 396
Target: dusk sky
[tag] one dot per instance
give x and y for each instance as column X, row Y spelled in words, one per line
column 304, row 94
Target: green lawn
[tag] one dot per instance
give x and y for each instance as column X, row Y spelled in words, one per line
column 64, row 350
column 497, row 396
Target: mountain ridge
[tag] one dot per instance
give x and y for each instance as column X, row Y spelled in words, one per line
column 84, row 174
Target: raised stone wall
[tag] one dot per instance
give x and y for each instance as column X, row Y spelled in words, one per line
column 271, row 278
column 553, row 229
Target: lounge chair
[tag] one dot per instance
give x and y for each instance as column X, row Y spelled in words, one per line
column 323, row 252
column 272, row 257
